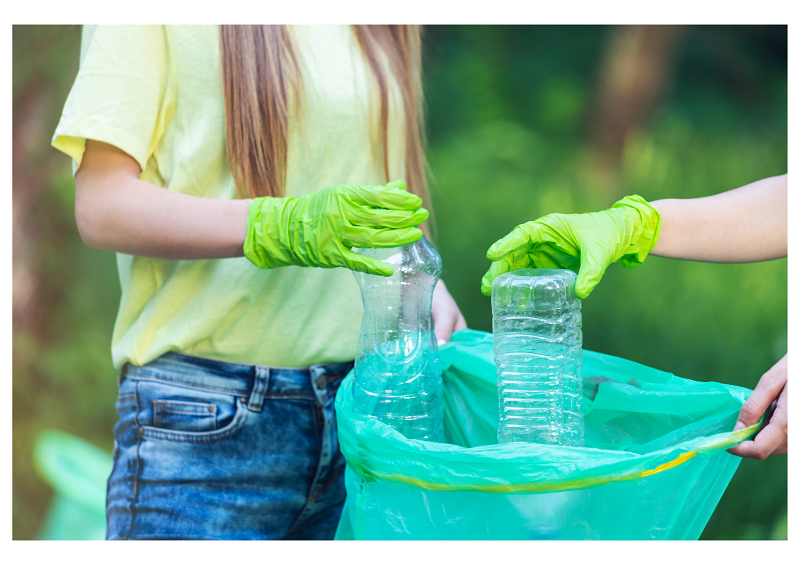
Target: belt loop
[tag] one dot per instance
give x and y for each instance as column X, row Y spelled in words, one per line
column 319, row 382
column 260, row 386
column 122, row 375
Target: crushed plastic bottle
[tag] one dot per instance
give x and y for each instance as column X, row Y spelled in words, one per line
column 538, row 354
column 398, row 379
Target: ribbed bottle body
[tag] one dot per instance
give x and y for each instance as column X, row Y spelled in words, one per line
column 398, row 378
column 538, row 354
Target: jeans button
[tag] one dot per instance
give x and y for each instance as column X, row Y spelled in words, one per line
column 321, row 382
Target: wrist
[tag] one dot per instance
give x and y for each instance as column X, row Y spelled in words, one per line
column 259, row 212
column 234, row 220
column 266, row 243
column 673, row 229
column 644, row 229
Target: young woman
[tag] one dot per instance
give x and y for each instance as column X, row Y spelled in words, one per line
column 194, row 146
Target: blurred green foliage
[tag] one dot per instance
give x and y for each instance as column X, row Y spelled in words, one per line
column 66, row 295
column 509, row 113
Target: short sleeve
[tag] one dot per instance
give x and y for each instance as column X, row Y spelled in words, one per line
column 123, row 94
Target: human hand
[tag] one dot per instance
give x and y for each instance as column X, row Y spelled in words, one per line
column 584, row 243
column 773, row 439
column 447, row 318
column 318, row 229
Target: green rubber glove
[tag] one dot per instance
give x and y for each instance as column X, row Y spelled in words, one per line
column 584, row 243
column 318, row 229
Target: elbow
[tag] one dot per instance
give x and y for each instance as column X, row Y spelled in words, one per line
column 86, row 224
column 102, row 174
column 87, row 217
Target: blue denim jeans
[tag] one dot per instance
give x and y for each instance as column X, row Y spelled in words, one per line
column 206, row 449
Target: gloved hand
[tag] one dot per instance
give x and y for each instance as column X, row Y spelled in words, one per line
column 584, row 243
column 318, row 229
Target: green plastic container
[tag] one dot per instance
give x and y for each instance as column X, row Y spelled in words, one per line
column 654, row 467
column 77, row 471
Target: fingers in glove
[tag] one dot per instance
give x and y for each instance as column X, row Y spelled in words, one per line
column 363, row 264
column 590, row 273
column 496, row 269
column 381, row 218
column 357, row 236
column 522, row 237
column 547, row 256
column 397, row 184
column 391, row 197
column 551, row 230
column 509, row 262
column 518, row 238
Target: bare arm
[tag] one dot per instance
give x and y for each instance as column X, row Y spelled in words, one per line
column 117, row 211
column 742, row 225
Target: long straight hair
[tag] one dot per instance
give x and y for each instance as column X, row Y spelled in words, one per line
column 260, row 72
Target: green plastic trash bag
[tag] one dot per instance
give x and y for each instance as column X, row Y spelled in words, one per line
column 77, row 471
column 654, row 465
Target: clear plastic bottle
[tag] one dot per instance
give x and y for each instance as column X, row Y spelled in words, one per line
column 538, row 354
column 398, row 379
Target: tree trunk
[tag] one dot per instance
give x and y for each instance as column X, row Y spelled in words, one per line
column 635, row 72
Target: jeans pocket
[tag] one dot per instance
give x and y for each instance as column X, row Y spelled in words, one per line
column 184, row 416
column 178, row 413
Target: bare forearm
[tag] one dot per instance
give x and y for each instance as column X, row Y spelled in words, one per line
column 117, row 211
column 132, row 216
column 741, row 225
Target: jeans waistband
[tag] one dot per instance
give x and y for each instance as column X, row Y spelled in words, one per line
column 252, row 382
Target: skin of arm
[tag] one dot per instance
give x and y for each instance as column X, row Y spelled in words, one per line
column 117, row 211
column 742, row 225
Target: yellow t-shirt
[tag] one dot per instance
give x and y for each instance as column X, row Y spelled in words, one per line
column 156, row 93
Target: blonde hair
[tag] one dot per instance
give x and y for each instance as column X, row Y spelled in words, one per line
column 260, row 68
